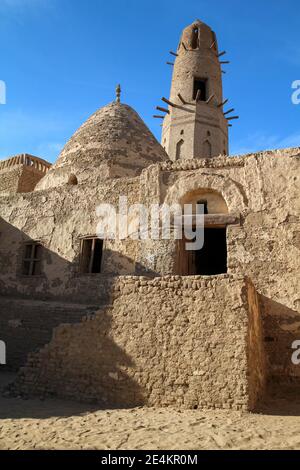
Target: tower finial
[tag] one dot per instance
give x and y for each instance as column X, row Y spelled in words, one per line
column 118, row 93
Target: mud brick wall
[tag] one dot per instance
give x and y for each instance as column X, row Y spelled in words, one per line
column 169, row 341
column 19, row 179
column 27, row 325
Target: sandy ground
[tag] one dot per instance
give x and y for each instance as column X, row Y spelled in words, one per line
column 58, row 424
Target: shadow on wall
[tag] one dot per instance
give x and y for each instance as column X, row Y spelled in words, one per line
column 33, row 306
column 82, row 362
column 57, row 278
column 281, row 329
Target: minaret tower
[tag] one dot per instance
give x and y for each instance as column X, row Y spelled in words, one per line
column 195, row 125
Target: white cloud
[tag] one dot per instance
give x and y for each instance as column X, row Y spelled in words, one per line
column 22, row 132
column 258, row 142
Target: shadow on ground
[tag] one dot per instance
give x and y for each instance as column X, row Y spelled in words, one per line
column 17, row 408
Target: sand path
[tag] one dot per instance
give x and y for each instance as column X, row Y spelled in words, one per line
column 59, row 424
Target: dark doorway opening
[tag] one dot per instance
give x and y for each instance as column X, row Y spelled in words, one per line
column 212, row 258
column 201, row 87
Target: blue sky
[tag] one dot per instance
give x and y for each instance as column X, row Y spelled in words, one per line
column 61, row 60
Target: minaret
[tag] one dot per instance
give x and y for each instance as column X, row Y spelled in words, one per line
column 196, row 126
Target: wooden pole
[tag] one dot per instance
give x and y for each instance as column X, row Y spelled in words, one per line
column 181, row 99
column 156, row 116
column 169, row 63
column 222, row 104
column 229, row 111
column 210, row 98
column 163, row 110
column 168, row 102
column 221, row 53
column 232, row 117
column 198, row 95
column 174, row 53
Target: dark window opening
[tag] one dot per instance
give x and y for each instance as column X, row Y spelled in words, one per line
column 195, row 37
column 200, row 89
column 32, row 259
column 91, row 255
column 204, row 203
column 207, row 149
column 179, row 149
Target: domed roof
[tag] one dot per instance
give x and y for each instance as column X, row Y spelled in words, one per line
column 112, row 143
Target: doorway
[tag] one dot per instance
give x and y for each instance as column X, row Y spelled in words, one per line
column 210, row 260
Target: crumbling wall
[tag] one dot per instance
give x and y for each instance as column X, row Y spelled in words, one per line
column 9, row 180
column 168, row 341
column 27, row 325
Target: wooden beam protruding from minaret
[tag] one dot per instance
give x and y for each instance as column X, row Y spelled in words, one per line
column 181, row 99
column 221, row 54
column 210, row 98
column 198, row 95
column 223, row 103
column 156, row 116
column 232, row 117
column 229, row 111
column 170, row 63
column 168, row 102
column 173, row 53
column 163, row 110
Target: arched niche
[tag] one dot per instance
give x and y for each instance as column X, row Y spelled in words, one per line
column 212, row 200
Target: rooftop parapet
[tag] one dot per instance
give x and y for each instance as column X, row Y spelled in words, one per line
column 26, row 160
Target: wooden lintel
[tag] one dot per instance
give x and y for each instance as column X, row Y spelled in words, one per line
column 184, row 46
column 216, row 219
column 213, row 45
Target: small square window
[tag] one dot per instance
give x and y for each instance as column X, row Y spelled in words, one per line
column 32, row 259
column 200, row 89
column 91, row 255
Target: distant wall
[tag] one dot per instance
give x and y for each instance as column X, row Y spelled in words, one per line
column 21, row 173
column 176, row 341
